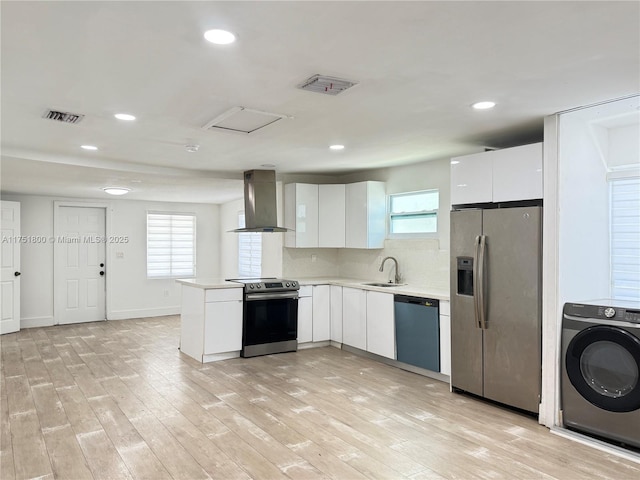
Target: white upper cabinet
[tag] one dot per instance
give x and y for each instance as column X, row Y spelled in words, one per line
column 497, row 176
column 517, row 173
column 335, row 216
column 301, row 215
column 331, row 216
column 365, row 215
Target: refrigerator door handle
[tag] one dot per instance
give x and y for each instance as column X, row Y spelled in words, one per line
column 476, row 281
column 482, row 276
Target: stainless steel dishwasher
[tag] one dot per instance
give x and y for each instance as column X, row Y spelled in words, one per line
column 417, row 331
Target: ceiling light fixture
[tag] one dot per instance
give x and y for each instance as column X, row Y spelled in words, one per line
column 192, row 148
column 89, row 147
column 483, row 105
column 336, row 147
column 116, row 190
column 125, row 116
column 219, row 37
column 455, row 162
column 268, row 165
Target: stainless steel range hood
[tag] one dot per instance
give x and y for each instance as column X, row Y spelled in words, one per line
column 260, row 204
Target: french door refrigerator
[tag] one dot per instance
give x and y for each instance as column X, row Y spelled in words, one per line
column 496, row 304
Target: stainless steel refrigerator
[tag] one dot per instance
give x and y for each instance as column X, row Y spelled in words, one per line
column 496, row 304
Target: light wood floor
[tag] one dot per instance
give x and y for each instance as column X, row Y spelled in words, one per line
column 117, row 400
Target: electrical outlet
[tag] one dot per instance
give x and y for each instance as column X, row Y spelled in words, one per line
column 166, row 293
column 314, row 258
column 119, row 254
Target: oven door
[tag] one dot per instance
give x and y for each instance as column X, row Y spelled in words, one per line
column 270, row 318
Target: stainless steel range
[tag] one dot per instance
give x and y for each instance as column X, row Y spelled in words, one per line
column 270, row 316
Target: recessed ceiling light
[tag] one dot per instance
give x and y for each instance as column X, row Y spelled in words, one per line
column 336, row 147
column 89, row 147
column 483, row 105
column 455, row 162
column 125, row 116
column 268, row 165
column 192, row 147
column 116, row 190
column 219, row 37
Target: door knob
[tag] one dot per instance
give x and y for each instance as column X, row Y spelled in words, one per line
column 101, row 273
column 17, row 274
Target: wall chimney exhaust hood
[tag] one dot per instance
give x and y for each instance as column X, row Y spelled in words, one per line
column 260, row 204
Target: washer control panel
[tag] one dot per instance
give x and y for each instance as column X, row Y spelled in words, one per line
column 605, row 312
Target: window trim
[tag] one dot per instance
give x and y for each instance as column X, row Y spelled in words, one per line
column 417, row 213
column 194, row 238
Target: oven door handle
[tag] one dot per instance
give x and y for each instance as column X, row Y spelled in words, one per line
column 251, row 297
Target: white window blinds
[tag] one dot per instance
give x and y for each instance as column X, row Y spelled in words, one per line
column 171, row 245
column 625, row 239
column 249, row 252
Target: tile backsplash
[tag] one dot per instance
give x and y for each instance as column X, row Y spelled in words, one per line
column 421, row 262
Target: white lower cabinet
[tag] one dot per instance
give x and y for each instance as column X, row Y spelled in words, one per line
column 321, row 313
column 336, row 313
column 222, row 326
column 445, row 338
column 381, row 338
column 211, row 323
column 354, row 317
column 305, row 315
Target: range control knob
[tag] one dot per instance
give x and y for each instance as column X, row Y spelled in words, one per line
column 288, row 284
column 251, row 286
column 609, row 312
column 259, row 286
column 293, row 284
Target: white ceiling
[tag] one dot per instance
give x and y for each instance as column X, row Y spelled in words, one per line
column 419, row 65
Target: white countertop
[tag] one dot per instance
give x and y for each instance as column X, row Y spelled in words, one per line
column 208, row 283
column 408, row 289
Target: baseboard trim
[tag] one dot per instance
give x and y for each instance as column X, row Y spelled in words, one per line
column 35, row 322
column 143, row 312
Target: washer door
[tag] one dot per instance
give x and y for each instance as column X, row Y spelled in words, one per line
column 603, row 364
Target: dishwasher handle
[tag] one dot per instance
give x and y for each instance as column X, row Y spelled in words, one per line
column 426, row 302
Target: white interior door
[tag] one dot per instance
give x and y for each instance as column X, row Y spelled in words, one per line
column 10, row 282
column 80, row 265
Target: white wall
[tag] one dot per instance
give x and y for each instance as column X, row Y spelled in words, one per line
column 129, row 293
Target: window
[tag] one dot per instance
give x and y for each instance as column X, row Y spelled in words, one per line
column 249, row 251
column 171, row 245
column 415, row 212
column 625, row 239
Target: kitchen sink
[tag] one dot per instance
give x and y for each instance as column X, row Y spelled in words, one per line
column 384, row 284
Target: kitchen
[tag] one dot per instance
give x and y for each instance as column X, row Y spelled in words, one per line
column 131, row 295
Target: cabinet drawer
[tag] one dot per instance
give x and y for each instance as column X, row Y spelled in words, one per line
column 444, row 308
column 306, row 291
column 222, row 294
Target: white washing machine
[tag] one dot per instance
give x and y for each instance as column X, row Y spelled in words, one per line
column 600, row 382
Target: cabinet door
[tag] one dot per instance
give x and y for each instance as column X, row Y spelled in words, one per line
column 336, row 313
column 354, row 317
column 222, row 327
column 301, row 215
column 365, row 215
column 471, row 178
column 321, row 313
column 305, row 319
column 517, row 173
column 380, row 324
column 331, row 216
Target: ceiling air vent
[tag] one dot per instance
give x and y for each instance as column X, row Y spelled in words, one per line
column 64, row 117
column 326, row 85
column 243, row 120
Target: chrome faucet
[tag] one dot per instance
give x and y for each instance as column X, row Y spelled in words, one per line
column 397, row 276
